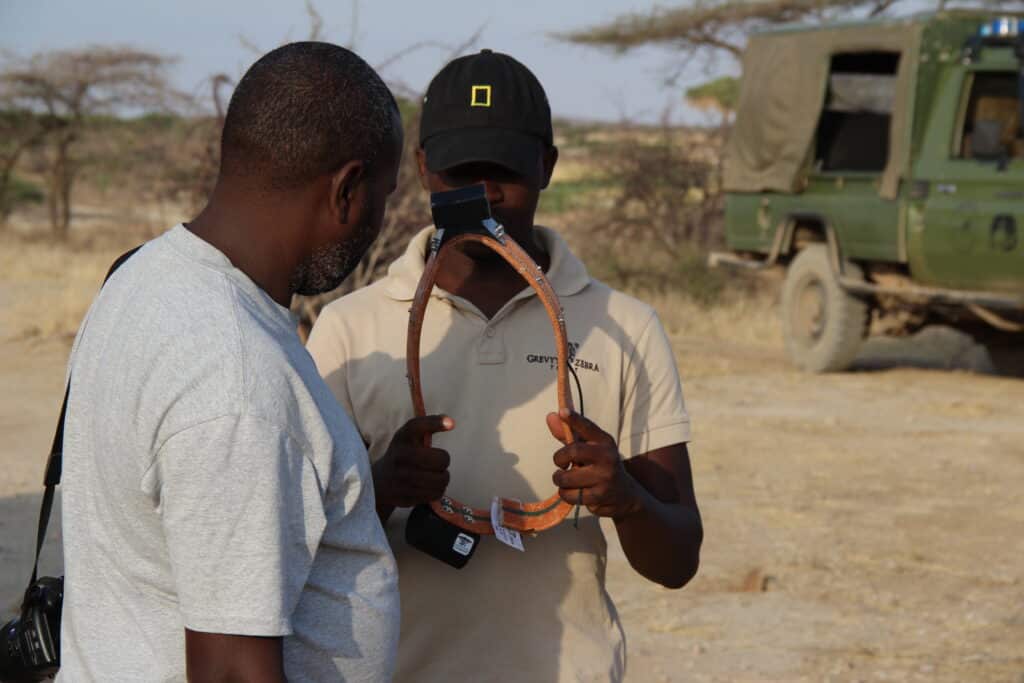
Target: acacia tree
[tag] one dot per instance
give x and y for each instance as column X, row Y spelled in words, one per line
column 722, row 25
column 19, row 131
column 719, row 95
column 64, row 88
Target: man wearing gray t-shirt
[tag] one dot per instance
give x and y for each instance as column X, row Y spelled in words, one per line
column 218, row 514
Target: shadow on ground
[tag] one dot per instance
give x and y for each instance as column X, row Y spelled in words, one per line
column 933, row 348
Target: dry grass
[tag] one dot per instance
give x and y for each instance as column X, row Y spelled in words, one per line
column 46, row 288
column 738, row 318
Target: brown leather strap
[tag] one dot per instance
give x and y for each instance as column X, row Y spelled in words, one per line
column 515, row 515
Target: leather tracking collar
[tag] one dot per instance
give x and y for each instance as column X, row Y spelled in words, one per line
column 516, row 515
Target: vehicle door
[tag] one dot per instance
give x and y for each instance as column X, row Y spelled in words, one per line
column 966, row 218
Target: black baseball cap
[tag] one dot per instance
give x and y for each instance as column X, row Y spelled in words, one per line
column 485, row 107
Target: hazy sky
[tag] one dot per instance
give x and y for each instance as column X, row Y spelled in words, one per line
column 206, row 37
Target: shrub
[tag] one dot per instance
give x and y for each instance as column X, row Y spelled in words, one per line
column 18, row 192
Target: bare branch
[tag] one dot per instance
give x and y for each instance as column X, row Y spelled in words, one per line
column 469, row 42
column 353, row 33
column 406, row 51
column 217, row 83
column 881, row 6
column 250, row 46
column 316, row 22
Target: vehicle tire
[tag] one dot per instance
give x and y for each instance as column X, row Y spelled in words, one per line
column 822, row 324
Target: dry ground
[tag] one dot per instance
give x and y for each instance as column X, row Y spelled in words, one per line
column 863, row 526
column 859, row 527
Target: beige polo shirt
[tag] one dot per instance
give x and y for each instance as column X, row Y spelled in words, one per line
column 543, row 614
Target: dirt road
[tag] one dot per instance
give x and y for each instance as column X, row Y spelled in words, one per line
column 859, row 527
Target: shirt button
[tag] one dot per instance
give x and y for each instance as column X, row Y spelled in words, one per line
column 489, row 332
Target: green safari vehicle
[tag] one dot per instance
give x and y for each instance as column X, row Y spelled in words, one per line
column 881, row 163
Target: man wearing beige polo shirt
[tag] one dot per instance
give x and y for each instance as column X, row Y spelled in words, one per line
column 488, row 372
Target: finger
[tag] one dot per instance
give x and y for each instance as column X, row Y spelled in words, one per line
column 573, row 496
column 563, row 457
column 580, row 454
column 602, row 510
column 417, row 459
column 421, row 479
column 416, row 497
column 418, row 428
column 584, row 428
column 407, row 490
column 426, row 494
column 557, row 427
column 578, row 478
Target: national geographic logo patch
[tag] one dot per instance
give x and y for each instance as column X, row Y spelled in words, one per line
column 480, row 96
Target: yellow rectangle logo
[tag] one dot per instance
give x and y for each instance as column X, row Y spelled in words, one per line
column 480, row 96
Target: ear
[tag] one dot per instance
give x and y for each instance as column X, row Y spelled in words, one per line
column 421, row 167
column 344, row 184
column 549, row 160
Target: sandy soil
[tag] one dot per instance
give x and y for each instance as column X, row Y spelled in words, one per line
column 859, row 527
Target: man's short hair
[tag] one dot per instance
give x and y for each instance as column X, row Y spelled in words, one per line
column 302, row 111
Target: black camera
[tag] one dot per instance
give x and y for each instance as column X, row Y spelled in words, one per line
column 439, row 538
column 460, row 211
column 30, row 643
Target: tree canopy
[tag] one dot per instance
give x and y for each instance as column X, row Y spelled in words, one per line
column 724, row 24
column 56, row 92
column 720, row 95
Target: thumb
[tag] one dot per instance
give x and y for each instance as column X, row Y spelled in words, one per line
column 557, row 427
column 418, row 429
column 584, row 428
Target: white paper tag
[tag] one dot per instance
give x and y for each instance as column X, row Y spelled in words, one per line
column 463, row 544
column 509, row 537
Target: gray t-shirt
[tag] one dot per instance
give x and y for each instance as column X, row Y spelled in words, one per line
column 212, row 482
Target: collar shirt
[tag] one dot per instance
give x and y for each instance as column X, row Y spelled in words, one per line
column 542, row 614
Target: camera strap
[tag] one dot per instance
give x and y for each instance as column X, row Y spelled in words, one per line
column 56, row 459
column 513, row 514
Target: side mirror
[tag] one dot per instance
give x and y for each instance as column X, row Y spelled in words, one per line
column 987, row 140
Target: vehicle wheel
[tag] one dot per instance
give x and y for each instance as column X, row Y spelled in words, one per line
column 822, row 324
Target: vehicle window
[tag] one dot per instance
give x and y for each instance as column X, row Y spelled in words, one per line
column 991, row 126
column 853, row 132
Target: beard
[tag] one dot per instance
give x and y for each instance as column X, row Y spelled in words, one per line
column 328, row 267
